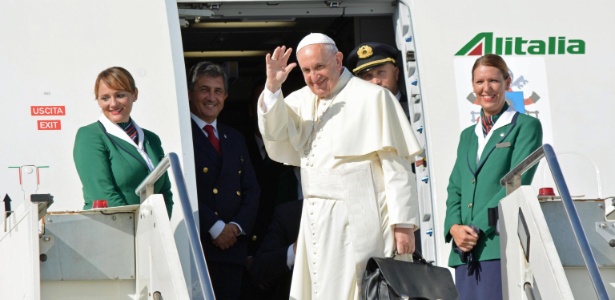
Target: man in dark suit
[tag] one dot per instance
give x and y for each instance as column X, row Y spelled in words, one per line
column 226, row 184
column 272, row 267
column 377, row 63
column 268, row 173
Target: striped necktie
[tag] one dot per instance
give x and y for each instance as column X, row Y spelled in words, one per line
column 131, row 131
column 487, row 123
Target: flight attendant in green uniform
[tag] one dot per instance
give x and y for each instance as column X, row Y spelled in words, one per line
column 113, row 155
column 500, row 140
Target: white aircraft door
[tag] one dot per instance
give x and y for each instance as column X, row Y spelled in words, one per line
column 405, row 41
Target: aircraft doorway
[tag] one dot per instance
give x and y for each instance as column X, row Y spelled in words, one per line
column 242, row 49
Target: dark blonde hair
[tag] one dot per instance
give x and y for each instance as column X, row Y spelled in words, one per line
column 492, row 60
column 116, row 78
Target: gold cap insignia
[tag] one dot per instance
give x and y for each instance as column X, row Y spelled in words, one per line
column 365, row 51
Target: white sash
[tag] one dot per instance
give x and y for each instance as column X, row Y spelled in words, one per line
column 354, row 186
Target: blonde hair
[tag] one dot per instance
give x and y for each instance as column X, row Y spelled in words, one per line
column 116, row 78
column 492, row 60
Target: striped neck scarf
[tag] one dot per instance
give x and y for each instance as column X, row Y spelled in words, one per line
column 130, row 130
column 487, row 122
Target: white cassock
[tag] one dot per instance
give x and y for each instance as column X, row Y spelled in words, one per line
column 355, row 151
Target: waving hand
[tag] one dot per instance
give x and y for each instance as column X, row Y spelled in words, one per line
column 278, row 67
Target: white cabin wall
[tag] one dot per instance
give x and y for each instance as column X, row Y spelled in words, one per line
column 50, row 56
column 580, row 87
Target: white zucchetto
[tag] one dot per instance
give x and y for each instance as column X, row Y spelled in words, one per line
column 314, row 38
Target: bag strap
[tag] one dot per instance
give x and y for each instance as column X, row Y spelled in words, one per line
column 418, row 257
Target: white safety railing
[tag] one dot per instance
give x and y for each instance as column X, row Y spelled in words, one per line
column 146, row 188
column 512, row 181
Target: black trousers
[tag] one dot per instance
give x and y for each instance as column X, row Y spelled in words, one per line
column 226, row 280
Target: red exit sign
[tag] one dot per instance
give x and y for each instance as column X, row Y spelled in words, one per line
column 48, row 110
column 49, row 124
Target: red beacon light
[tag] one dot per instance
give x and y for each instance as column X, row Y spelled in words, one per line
column 99, row 204
column 546, row 193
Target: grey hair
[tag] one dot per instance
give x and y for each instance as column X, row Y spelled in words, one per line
column 206, row 68
column 330, row 49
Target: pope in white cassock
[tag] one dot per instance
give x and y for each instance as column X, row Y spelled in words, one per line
column 355, row 147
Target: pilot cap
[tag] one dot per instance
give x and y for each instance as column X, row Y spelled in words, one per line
column 369, row 55
column 314, row 38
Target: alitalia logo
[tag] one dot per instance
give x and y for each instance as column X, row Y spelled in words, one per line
column 485, row 43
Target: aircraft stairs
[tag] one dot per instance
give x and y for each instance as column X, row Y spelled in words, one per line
column 554, row 247
column 126, row 252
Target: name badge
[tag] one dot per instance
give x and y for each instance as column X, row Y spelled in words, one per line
column 503, row 145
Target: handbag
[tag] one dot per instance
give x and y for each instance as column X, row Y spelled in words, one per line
column 387, row 278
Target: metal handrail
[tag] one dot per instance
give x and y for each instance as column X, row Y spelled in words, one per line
column 512, row 180
column 145, row 189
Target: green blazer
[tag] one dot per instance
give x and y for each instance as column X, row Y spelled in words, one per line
column 474, row 187
column 111, row 168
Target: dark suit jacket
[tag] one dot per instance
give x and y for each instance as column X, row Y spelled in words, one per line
column 405, row 105
column 111, row 168
column 269, row 269
column 227, row 190
column 268, row 174
column 288, row 187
